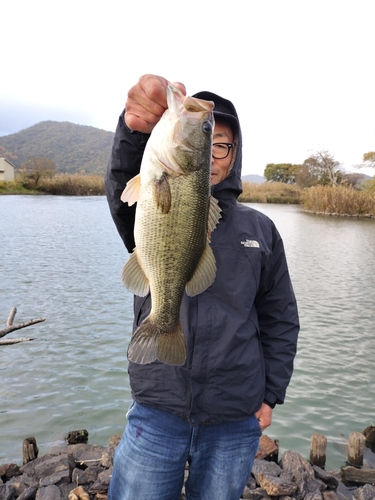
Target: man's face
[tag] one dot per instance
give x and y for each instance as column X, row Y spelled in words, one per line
column 220, row 168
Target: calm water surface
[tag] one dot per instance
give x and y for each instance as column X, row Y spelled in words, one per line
column 62, row 258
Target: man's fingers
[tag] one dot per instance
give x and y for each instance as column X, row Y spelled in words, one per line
column 134, row 122
column 147, row 102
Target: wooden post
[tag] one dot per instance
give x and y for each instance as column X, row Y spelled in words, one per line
column 30, row 450
column 318, row 446
column 369, row 434
column 356, row 449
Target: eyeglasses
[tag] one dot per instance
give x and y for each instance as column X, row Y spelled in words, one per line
column 220, row 150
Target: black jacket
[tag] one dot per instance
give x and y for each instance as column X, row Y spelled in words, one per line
column 242, row 331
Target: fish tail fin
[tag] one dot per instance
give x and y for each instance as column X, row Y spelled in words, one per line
column 172, row 347
column 149, row 343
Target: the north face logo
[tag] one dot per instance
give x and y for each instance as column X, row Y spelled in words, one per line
column 250, row 243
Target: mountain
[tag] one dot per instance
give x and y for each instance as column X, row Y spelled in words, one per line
column 255, row 178
column 73, row 148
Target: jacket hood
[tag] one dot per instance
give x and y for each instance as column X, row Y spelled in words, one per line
column 231, row 187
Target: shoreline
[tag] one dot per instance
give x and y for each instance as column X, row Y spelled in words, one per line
column 82, row 471
column 334, row 214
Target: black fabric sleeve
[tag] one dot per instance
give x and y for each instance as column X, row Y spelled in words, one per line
column 278, row 321
column 125, row 162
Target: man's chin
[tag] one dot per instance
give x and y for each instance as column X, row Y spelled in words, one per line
column 214, row 180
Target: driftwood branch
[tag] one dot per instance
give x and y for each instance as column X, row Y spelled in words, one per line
column 9, row 327
column 12, row 328
column 11, row 316
column 14, row 341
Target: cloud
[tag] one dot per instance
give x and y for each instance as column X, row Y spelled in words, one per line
column 17, row 115
column 300, row 74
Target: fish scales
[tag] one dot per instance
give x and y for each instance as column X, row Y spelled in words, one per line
column 170, row 258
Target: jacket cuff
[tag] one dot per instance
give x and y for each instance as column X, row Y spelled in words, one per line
column 139, row 139
column 271, row 405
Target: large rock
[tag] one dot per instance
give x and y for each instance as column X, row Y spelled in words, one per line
column 9, row 470
column 29, row 493
column 262, row 466
column 102, row 483
column 85, row 453
column 367, row 492
column 24, row 483
column 268, row 449
column 308, row 487
column 50, row 492
column 327, row 478
column 276, row 486
column 256, row 494
column 58, row 468
column 7, row 492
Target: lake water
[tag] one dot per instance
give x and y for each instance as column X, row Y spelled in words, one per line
column 62, row 258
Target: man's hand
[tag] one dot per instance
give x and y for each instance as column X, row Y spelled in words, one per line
column 147, row 102
column 264, row 416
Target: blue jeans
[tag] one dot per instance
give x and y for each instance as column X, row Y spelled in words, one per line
column 150, row 460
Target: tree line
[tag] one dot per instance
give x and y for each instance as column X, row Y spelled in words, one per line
column 320, row 168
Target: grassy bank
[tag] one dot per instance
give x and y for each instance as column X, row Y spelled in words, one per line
column 15, row 187
column 319, row 199
column 90, row 185
column 61, row 184
column 271, row 192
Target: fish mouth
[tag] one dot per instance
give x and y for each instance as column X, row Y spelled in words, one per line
column 195, row 105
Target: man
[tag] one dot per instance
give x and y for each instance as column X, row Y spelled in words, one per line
column 241, row 333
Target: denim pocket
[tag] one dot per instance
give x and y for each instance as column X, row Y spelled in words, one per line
column 130, row 409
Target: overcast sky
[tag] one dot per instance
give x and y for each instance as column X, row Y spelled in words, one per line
column 301, row 73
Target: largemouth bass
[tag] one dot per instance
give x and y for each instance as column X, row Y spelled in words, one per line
column 174, row 217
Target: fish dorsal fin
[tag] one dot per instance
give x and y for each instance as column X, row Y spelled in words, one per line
column 134, row 278
column 131, row 191
column 204, row 275
column 214, row 214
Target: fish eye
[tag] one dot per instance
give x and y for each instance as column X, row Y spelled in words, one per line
column 207, row 127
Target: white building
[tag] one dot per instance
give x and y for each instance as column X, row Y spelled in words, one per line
column 6, row 170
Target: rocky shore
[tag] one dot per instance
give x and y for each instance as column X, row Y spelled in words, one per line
column 81, row 471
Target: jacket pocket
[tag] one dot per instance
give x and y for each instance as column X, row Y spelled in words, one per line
column 142, row 308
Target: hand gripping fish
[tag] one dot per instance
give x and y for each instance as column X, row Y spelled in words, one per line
column 175, row 215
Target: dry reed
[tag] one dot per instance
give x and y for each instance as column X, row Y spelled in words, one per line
column 73, row 185
column 339, row 200
column 270, row 192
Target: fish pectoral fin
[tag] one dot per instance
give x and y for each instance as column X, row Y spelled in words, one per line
column 204, row 274
column 130, row 195
column 162, row 193
column 214, row 214
column 134, row 278
column 149, row 343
